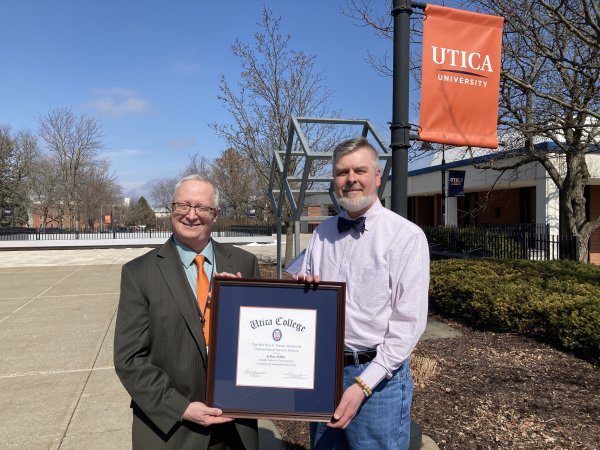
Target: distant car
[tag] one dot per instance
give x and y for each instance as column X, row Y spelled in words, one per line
column 51, row 230
column 113, row 229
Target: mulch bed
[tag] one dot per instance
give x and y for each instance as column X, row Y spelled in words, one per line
column 500, row 390
column 497, row 391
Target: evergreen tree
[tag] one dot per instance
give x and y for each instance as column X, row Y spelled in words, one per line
column 145, row 214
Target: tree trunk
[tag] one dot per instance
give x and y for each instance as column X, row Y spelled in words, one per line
column 573, row 202
column 584, row 247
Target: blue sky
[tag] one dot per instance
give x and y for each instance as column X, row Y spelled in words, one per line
column 149, row 70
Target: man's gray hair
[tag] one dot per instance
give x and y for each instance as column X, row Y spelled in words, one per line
column 197, row 177
column 352, row 145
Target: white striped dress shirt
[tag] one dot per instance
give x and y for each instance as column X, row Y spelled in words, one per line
column 386, row 270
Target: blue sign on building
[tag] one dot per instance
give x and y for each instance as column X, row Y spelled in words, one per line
column 456, row 183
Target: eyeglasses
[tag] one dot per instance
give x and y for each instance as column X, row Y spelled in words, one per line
column 184, row 208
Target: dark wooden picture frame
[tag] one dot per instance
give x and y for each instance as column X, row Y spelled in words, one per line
column 229, row 295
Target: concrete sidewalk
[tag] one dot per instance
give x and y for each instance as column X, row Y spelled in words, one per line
column 58, row 388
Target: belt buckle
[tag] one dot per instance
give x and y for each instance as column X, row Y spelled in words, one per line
column 362, row 357
column 358, row 357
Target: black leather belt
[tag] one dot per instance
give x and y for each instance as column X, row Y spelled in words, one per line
column 363, row 357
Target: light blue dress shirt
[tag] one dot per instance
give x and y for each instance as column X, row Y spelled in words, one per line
column 187, row 257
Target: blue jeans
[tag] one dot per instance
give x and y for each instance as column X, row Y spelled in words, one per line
column 382, row 421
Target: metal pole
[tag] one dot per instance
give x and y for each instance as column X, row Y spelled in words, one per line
column 296, row 238
column 443, row 186
column 279, row 274
column 400, row 128
column 112, row 225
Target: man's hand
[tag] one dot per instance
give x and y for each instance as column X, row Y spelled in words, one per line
column 349, row 404
column 308, row 279
column 200, row 413
column 224, row 275
column 228, row 275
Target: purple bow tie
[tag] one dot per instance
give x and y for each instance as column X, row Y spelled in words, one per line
column 344, row 225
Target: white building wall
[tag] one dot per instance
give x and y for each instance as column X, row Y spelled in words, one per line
column 451, row 211
column 476, row 179
column 547, row 205
column 593, row 163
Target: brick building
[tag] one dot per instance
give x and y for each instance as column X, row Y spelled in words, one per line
column 523, row 196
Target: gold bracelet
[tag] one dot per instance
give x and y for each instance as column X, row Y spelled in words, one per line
column 365, row 388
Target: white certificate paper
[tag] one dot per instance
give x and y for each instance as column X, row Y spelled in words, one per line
column 276, row 347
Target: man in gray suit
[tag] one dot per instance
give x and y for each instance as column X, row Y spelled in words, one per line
column 160, row 351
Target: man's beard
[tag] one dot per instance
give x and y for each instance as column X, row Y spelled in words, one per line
column 356, row 204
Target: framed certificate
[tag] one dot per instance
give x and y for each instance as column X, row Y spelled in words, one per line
column 276, row 348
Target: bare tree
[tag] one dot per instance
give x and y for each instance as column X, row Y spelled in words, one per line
column 74, row 142
column 276, row 83
column 550, row 90
column 97, row 190
column 377, row 16
column 238, row 181
column 163, row 191
column 45, row 189
column 197, row 164
column 26, row 151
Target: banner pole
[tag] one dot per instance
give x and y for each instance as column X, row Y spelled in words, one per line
column 400, row 127
column 443, row 185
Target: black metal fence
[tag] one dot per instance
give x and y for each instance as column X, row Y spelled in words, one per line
column 521, row 241
column 47, row 234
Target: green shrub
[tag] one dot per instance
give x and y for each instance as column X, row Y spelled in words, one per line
column 555, row 301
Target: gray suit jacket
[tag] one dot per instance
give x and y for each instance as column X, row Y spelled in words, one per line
column 159, row 349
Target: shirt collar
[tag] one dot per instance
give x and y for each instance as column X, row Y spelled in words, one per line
column 187, row 255
column 372, row 211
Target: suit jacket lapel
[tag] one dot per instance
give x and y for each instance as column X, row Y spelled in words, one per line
column 223, row 258
column 171, row 268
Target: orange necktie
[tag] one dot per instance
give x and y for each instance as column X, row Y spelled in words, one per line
column 202, row 287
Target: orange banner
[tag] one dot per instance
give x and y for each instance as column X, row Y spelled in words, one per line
column 460, row 77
